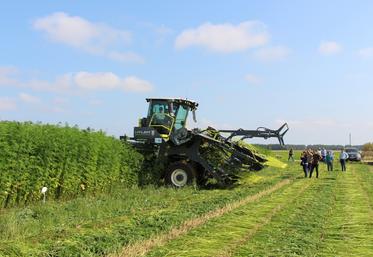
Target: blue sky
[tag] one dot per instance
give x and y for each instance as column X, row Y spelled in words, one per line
column 248, row 64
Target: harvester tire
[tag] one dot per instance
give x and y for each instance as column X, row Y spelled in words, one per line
column 179, row 174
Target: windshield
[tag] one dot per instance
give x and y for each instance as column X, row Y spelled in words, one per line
column 351, row 150
column 160, row 117
column 158, row 107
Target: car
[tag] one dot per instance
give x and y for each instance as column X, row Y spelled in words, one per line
column 353, row 154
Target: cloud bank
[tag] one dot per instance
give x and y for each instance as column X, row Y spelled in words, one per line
column 224, row 37
column 71, row 82
column 329, row 48
column 95, row 38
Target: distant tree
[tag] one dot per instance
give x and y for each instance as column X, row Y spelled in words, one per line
column 302, row 147
column 367, row 151
column 368, row 147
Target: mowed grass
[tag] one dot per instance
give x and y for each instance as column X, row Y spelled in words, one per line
column 224, row 233
column 349, row 230
column 97, row 226
column 329, row 216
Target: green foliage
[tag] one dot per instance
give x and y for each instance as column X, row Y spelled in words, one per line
column 368, row 147
column 367, row 151
column 97, row 225
column 151, row 171
column 65, row 159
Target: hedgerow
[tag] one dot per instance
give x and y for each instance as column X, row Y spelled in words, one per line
column 65, row 159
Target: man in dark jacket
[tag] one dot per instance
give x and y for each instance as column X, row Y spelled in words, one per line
column 304, row 163
column 316, row 157
column 291, row 153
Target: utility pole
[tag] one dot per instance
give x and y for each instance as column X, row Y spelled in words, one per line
column 350, row 140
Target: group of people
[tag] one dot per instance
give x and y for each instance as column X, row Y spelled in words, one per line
column 310, row 159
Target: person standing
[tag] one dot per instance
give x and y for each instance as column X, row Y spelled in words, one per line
column 291, row 153
column 323, row 154
column 319, row 151
column 303, row 163
column 309, row 158
column 343, row 156
column 316, row 157
column 329, row 158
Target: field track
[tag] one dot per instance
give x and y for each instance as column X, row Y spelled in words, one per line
column 274, row 212
column 329, row 216
column 143, row 247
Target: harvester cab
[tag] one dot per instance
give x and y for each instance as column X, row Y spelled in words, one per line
column 166, row 120
column 184, row 155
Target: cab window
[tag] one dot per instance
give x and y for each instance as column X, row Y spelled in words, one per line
column 160, row 117
column 158, row 107
column 181, row 116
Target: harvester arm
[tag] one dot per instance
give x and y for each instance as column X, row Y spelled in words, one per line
column 259, row 132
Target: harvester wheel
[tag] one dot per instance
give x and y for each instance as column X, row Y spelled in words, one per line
column 179, row 174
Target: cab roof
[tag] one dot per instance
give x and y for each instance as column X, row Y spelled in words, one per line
column 192, row 104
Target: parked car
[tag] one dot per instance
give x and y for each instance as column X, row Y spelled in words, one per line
column 353, row 154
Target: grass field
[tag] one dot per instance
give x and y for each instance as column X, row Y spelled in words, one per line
column 274, row 212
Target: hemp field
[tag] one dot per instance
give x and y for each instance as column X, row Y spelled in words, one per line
column 274, row 212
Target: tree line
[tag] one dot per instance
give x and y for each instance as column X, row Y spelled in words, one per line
column 302, row 147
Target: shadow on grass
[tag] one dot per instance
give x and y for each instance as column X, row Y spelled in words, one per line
column 219, row 186
column 328, row 178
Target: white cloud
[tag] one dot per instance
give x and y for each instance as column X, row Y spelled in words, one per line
column 313, row 123
column 329, row 48
column 253, row 79
column 135, row 84
column 125, row 57
column 204, row 123
column 60, row 100
column 61, row 84
column 95, row 102
column 366, row 52
column 57, row 110
column 161, row 32
column 108, row 81
column 6, row 76
column 327, row 130
column 224, row 37
column 270, row 54
column 93, row 81
column 78, row 32
column 7, row 104
column 95, row 38
column 85, row 81
column 26, row 98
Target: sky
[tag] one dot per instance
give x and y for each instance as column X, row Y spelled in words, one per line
column 247, row 63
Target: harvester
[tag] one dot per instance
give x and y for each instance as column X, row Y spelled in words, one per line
column 184, row 154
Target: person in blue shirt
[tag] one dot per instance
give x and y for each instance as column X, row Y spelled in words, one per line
column 323, row 154
column 343, row 156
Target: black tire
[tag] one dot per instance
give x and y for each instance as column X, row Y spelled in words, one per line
column 179, row 174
